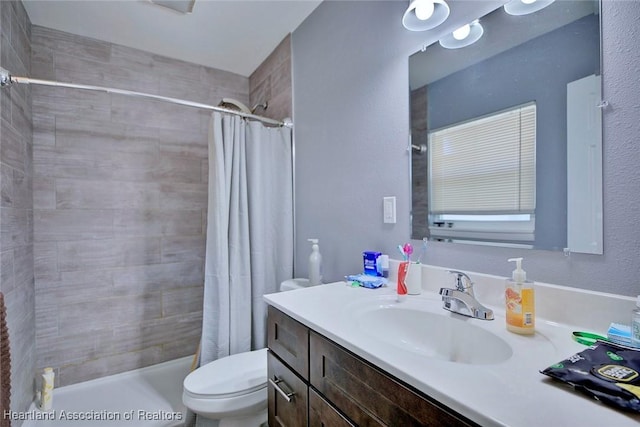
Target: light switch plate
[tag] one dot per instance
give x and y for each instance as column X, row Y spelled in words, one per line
column 389, row 210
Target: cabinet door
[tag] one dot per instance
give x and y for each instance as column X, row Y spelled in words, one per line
column 322, row 414
column 287, row 395
column 368, row 396
column 289, row 339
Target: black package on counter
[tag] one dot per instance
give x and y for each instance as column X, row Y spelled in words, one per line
column 607, row 371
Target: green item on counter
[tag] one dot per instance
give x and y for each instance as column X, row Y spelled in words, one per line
column 587, row 338
column 606, row 371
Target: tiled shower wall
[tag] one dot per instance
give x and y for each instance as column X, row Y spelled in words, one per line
column 120, row 197
column 16, row 205
column 271, row 82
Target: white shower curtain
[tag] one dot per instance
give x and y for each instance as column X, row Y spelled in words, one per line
column 249, row 232
column 249, row 247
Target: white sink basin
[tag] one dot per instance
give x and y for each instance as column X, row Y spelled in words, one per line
column 435, row 335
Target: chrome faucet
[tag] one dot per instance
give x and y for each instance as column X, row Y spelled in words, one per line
column 462, row 300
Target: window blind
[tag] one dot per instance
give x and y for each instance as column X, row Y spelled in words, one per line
column 486, row 165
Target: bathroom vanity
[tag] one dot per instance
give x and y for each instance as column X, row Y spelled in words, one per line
column 344, row 356
column 312, row 376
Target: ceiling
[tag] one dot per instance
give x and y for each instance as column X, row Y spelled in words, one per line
column 231, row 35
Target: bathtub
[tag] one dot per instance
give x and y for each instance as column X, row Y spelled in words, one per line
column 146, row 397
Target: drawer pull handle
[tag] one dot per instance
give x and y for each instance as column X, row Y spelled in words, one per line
column 288, row 396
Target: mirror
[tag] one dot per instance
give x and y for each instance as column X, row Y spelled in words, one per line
column 547, row 62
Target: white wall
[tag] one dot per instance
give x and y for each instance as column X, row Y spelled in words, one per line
column 351, row 113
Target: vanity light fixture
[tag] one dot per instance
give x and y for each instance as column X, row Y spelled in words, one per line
column 463, row 36
column 524, row 7
column 422, row 15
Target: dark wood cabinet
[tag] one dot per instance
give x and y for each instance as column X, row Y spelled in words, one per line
column 323, row 414
column 369, row 396
column 289, row 340
column 315, row 382
column 288, row 370
column 288, row 395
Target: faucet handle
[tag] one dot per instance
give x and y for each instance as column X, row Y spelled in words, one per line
column 460, row 280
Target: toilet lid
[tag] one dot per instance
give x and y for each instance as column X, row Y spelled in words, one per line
column 230, row 376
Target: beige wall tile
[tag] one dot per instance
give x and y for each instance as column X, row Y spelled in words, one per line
column 16, row 188
column 70, row 287
column 71, row 44
column 14, row 228
column 59, row 350
column 44, row 129
column 185, row 196
column 157, row 223
column 44, row 192
column 184, row 248
column 12, row 149
column 96, row 368
column 155, row 277
column 72, row 224
column 183, row 143
column 47, row 321
column 150, row 333
column 80, row 194
column 137, row 111
column 45, row 259
column 96, row 314
column 99, row 254
column 184, row 300
column 271, row 82
column 71, row 103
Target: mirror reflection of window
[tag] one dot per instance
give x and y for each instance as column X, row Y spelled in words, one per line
column 482, row 175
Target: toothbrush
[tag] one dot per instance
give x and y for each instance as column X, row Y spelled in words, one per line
column 408, row 250
column 423, row 251
column 404, row 254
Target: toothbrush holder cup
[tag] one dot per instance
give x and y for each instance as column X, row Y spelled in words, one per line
column 411, row 274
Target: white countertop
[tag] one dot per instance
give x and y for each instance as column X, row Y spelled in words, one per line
column 510, row 393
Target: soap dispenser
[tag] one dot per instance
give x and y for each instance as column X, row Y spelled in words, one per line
column 520, row 301
column 315, row 260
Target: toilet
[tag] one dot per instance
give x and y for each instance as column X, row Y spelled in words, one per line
column 233, row 389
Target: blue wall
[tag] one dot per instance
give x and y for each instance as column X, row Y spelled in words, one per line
column 351, row 113
column 539, row 71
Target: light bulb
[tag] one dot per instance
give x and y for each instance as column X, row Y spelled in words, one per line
column 528, row 1
column 462, row 32
column 424, row 9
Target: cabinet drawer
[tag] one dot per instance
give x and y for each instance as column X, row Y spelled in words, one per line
column 322, row 414
column 288, row 397
column 289, row 339
column 368, row 396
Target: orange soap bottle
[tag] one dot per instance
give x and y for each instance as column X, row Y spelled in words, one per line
column 520, row 301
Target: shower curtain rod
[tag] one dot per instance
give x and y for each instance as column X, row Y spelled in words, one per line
column 6, row 79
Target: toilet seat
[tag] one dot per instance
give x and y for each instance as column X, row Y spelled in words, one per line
column 236, row 375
